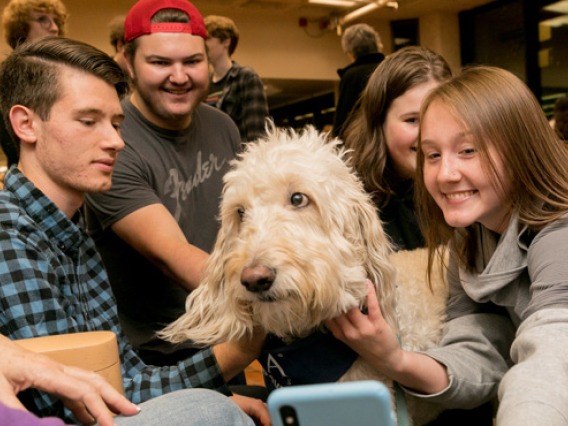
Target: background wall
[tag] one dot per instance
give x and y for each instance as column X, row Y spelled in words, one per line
column 275, row 45
column 293, row 61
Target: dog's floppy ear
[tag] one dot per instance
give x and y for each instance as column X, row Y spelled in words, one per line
column 376, row 244
column 362, row 227
column 352, row 211
column 210, row 316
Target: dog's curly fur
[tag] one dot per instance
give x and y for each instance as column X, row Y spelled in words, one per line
column 299, row 237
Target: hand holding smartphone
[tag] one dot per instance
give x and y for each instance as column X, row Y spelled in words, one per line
column 365, row 402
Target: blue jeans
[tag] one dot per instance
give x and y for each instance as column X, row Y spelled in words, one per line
column 189, row 407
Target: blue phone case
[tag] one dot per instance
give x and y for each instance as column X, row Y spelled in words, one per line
column 366, row 402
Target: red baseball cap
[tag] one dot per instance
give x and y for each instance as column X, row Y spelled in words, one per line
column 138, row 21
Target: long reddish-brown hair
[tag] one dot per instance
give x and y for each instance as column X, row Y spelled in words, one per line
column 498, row 109
column 364, row 136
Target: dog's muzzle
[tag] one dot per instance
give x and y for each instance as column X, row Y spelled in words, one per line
column 258, row 278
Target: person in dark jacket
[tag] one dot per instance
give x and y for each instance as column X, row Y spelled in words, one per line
column 362, row 44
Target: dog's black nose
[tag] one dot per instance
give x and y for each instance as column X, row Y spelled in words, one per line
column 257, row 278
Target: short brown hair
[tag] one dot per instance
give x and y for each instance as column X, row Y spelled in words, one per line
column 223, row 28
column 29, row 76
column 116, row 30
column 17, row 14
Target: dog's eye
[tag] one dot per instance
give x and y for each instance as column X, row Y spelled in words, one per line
column 241, row 212
column 299, row 200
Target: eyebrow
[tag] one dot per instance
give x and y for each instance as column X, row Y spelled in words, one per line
column 98, row 112
column 409, row 113
column 458, row 137
column 196, row 55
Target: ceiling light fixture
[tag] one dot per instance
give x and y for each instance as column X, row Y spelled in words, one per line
column 558, row 7
column 340, row 3
column 357, row 13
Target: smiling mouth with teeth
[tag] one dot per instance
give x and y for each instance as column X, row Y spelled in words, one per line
column 460, row 195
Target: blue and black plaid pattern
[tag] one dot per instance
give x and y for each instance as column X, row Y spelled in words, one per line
column 53, row 282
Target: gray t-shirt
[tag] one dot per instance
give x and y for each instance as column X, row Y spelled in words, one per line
column 183, row 170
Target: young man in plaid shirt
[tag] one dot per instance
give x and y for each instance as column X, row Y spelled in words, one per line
column 61, row 104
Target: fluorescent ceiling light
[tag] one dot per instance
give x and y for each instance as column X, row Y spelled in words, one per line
column 363, row 11
column 559, row 21
column 340, row 3
column 558, row 7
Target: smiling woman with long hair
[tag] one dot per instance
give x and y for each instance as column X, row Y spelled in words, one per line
column 383, row 136
column 493, row 180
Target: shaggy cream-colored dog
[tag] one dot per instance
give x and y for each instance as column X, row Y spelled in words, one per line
column 299, row 236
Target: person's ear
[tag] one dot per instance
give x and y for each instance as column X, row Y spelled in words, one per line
column 129, row 66
column 226, row 43
column 22, row 119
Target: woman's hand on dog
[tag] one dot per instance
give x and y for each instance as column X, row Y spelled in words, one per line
column 368, row 334
column 374, row 340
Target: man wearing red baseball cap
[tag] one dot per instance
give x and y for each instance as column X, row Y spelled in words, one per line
column 156, row 225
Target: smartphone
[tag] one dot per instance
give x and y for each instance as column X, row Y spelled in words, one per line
column 366, row 402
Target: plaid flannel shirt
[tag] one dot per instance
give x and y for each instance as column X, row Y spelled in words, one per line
column 53, row 282
column 244, row 99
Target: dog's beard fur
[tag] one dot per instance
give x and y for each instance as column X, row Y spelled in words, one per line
column 291, row 205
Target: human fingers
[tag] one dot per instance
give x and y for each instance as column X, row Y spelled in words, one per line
column 86, row 394
column 82, row 399
column 254, row 408
column 8, row 394
column 82, row 414
column 95, row 398
column 373, row 308
column 112, row 398
column 340, row 326
column 355, row 320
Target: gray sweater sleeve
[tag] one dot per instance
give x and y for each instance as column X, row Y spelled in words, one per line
column 474, row 349
column 535, row 390
column 477, row 344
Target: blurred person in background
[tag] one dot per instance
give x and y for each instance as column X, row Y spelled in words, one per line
column 363, row 46
column 116, row 38
column 27, row 20
column 234, row 89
